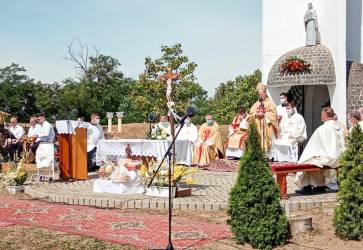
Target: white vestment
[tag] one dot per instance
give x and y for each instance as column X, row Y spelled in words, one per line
column 280, row 110
column 133, row 186
column 189, row 132
column 323, row 149
column 94, row 135
column 293, row 132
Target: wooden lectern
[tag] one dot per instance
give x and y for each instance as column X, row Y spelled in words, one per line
column 73, row 155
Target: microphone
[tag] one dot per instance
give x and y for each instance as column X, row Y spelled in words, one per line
column 152, row 117
column 191, row 111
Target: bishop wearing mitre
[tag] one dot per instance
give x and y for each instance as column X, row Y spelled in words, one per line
column 264, row 112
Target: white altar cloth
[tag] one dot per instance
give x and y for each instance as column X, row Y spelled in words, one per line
column 108, row 149
column 69, row 126
column 108, row 186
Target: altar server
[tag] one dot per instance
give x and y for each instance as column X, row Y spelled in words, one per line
column 94, row 135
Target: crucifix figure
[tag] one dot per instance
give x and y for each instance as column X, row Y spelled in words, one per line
column 169, row 76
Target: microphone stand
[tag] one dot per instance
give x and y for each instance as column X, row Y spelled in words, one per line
column 169, row 154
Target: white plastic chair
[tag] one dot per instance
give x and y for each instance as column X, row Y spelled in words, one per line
column 44, row 158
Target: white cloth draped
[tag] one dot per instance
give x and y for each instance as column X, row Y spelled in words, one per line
column 323, row 149
column 69, row 126
column 110, row 149
column 134, row 185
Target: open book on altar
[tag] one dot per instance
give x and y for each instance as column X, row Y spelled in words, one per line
column 69, row 126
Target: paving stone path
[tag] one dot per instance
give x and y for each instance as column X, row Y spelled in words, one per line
column 211, row 194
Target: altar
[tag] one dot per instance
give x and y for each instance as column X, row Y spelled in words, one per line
column 112, row 149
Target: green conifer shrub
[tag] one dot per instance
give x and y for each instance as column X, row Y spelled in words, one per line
column 348, row 215
column 256, row 216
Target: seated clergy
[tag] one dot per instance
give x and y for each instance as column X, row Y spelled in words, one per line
column 94, row 135
column 189, row 131
column 323, row 149
column 15, row 144
column 209, row 146
column 293, row 132
column 237, row 135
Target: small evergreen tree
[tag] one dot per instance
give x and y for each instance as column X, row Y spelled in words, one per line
column 256, row 216
column 348, row 216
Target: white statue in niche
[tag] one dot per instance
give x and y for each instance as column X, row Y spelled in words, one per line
column 311, row 27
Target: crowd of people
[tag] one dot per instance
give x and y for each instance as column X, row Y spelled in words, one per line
column 282, row 132
column 281, row 128
column 17, row 142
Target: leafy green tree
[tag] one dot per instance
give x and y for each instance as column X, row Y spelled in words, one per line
column 101, row 88
column 348, row 216
column 17, row 92
column 233, row 94
column 150, row 92
column 256, row 216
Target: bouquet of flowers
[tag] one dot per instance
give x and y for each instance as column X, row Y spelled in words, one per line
column 180, row 174
column 158, row 133
column 16, row 175
column 294, row 65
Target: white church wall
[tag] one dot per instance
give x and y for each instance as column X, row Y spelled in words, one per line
column 354, row 30
column 283, row 30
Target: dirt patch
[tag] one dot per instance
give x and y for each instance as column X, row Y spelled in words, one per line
column 320, row 238
column 30, row 238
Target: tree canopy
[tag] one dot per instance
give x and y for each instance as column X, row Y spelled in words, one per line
column 102, row 87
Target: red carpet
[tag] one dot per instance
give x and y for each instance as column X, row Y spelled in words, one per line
column 222, row 165
column 139, row 229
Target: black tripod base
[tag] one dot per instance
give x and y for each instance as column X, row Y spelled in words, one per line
column 170, row 246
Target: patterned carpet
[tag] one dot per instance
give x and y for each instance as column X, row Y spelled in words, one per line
column 223, row 165
column 136, row 228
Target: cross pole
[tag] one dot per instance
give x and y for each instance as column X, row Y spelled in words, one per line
column 169, row 77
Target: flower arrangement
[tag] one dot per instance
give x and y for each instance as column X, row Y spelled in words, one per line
column 294, row 65
column 180, row 174
column 16, row 176
column 158, row 133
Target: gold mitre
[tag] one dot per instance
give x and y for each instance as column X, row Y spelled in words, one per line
column 261, row 88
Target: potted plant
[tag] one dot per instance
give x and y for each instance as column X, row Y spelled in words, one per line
column 14, row 179
column 180, row 175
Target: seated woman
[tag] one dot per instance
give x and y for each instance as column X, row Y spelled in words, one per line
column 236, row 143
column 124, row 179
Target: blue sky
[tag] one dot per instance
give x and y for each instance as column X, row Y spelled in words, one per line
column 222, row 37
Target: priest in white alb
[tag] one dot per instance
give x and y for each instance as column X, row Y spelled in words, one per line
column 189, row 131
column 293, row 132
column 323, row 149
